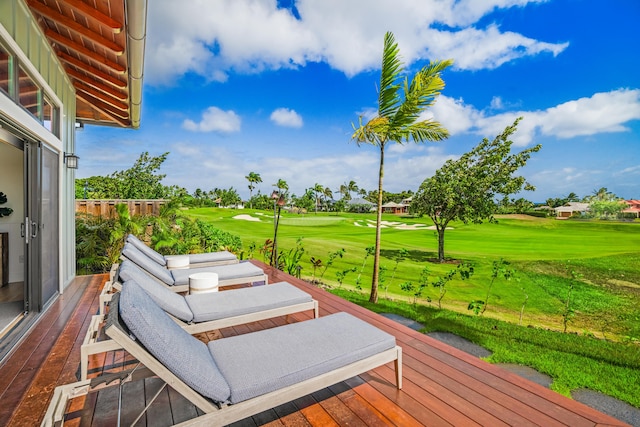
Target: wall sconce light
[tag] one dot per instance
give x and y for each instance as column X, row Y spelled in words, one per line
column 71, row 160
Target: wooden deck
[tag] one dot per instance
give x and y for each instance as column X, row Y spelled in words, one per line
column 442, row 385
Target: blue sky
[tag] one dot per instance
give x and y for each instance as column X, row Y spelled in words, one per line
column 239, row 86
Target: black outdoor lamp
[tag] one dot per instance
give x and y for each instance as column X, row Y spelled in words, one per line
column 71, row 160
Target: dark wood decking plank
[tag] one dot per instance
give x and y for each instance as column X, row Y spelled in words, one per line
column 315, row 414
column 366, row 411
column 181, row 408
column 49, row 373
column 473, row 402
column 526, row 403
column 159, row 413
column 13, row 365
column 106, row 408
column 55, row 349
column 336, row 408
column 290, row 416
column 133, row 403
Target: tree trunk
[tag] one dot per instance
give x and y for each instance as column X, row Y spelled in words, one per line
column 441, row 243
column 376, row 256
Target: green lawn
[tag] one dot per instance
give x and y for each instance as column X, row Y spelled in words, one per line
column 607, row 254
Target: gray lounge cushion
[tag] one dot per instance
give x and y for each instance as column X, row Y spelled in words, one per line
column 207, row 257
column 155, row 256
column 229, row 271
column 181, row 353
column 219, row 305
column 168, row 300
column 260, row 362
column 141, row 260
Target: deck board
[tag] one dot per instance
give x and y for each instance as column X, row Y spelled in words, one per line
column 443, row 386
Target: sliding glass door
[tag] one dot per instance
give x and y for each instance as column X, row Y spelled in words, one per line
column 40, row 229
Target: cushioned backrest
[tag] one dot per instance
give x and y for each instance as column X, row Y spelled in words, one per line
column 182, row 354
column 169, row 301
column 146, row 250
column 144, row 262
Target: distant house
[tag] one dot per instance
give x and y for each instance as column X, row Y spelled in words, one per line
column 634, row 208
column 570, row 209
column 395, row 208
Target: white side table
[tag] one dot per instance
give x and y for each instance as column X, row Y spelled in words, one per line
column 178, row 262
column 202, row 283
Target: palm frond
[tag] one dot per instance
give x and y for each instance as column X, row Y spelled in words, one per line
column 426, row 130
column 392, row 68
column 423, row 91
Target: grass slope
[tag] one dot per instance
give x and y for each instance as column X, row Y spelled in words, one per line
column 572, row 361
column 606, row 301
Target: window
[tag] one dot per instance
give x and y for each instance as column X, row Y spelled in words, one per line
column 6, row 70
column 24, row 90
column 29, row 94
column 51, row 117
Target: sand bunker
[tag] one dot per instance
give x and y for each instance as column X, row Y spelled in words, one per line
column 246, row 217
column 433, row 227
column 396, row 225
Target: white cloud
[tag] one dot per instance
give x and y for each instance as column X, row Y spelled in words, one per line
column 286, row 117
column 604, row 112
column 215, row 38
column 477, row 49
column 214, row 120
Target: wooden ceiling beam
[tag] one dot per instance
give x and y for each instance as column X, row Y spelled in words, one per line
column 95, row 83
column 105, row 109
column 91, row 70
column 72, row 25
column 122, row 106
column 60, row 39
column 95, row 14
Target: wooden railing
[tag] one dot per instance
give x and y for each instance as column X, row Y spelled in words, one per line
column 106, row 208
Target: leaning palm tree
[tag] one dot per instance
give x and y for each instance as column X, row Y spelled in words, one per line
column 253, row 178
column 400, row 104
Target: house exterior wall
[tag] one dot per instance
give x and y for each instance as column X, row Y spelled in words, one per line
column 21, row 33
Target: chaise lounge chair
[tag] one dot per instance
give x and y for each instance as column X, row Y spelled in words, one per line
column 207, row 259
column 203, row 312
column 178, row 280
column 233, row 378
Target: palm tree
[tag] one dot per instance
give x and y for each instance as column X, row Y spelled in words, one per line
column 344, row 191
column 352, row 188
column 328, row 195
column 603, row 194
column 572, row 197
column 282, row 186
column 400, row 104
column 253, row 178
column 318, row 190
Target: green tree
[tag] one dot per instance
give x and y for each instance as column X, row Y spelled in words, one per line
column 328, row 195
column 572, row 197
column 229, row 197
column 141, row 181
column 499, row 269
column 282, row 186
column 318, row 191
column 606, row 209
column 466, row 189
column 400, row 105
column 253, row 178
